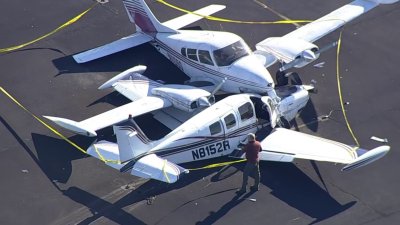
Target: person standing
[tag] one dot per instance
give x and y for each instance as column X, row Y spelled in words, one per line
column 251, row 149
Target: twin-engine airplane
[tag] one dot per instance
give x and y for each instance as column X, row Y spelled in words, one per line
column 210, row 57
column 202, row 131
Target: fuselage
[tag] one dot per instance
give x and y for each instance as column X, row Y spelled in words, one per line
column 216, row 131
column 213, row 56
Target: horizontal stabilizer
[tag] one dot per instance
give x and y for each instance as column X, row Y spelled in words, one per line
column 189, row 18
column 89, row 126
column 153, row 167
column 113, row 47
column 107, row 152
column 367, row 158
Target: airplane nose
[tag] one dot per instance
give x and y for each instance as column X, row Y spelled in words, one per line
column 253, row 73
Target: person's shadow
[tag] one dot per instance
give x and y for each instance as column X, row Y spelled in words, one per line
column 215, row 216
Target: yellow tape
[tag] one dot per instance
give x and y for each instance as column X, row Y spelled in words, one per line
column 165, row 174
column 104, row 159
column 340, row 91
column 54, row 130
column 73, row 20
column 41, row 121
column 218, row 165
column 233, row 21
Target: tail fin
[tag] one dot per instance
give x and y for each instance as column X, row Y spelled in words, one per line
column 131, row 141
column 140, row 14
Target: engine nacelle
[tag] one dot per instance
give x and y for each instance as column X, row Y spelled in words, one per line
column 184, row 97
column 296, row 52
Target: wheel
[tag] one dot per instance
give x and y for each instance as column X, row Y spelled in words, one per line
column 283, row 123
column 281, row 79
column 295, row 79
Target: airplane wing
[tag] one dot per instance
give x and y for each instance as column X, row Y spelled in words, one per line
column 89, row 126
column 297, row 45
column 276, row 147
column 113, row 47
column 189, row 18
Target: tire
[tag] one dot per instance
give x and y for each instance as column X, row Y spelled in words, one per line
column 281, row 80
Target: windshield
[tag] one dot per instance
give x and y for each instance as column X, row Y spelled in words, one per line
column 229, row 54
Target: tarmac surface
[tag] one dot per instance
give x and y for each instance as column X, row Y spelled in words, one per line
column 44, row 180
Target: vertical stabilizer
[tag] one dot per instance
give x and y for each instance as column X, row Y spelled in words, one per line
column 140, row 14
column 131, row 141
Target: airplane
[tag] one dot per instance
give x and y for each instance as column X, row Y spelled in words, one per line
column 201, row 129
column 221, row 59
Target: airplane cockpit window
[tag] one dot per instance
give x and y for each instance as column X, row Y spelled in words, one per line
column 183, row 51
column 205, row 57
column 246, row 111
column 215, row 128
column 229, row 54
column 230, row 121
column 191, row 54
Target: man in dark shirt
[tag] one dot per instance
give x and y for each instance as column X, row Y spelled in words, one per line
column 252, row 148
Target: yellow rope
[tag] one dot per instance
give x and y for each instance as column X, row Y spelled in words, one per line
column 340, row 90
column 69, row 22
column 232, row 21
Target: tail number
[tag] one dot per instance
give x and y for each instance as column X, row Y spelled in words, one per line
column 210, row 150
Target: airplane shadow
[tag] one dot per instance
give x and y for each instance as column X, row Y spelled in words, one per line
column 289, row 184
column 114, row 211
column 101, row 208
column 309, row 117
column 158, row 67
column 54, row 155
column 292, row 186
column 114, row 98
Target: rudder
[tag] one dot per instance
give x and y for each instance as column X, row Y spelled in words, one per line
column 140, row 14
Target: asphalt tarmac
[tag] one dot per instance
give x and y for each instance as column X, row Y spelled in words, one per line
column 44, row 180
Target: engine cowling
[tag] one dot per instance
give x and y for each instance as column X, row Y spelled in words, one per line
column 184, row 97
column 293, row 51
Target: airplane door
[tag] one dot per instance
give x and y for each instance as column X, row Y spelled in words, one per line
column 273, row 113
column 229, row 125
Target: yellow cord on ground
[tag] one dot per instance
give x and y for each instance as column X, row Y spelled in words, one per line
column 41, row 121
column 71, row 21
column 54, row 130
column 233, row 21
column 340, row 90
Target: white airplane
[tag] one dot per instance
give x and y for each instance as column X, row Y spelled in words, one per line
column 212, row 58
column 200, row 131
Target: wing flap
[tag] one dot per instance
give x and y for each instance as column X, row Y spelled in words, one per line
column 113, row 47
column 189, row 18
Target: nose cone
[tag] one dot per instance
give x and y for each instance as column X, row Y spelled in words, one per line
column 252, row 74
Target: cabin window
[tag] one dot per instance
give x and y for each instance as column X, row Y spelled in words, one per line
column 183, row 51
column 229, row 54
column 246, row 111
column 205, row 57
column 215, row 128
column 191, row 54
column 230, row 121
